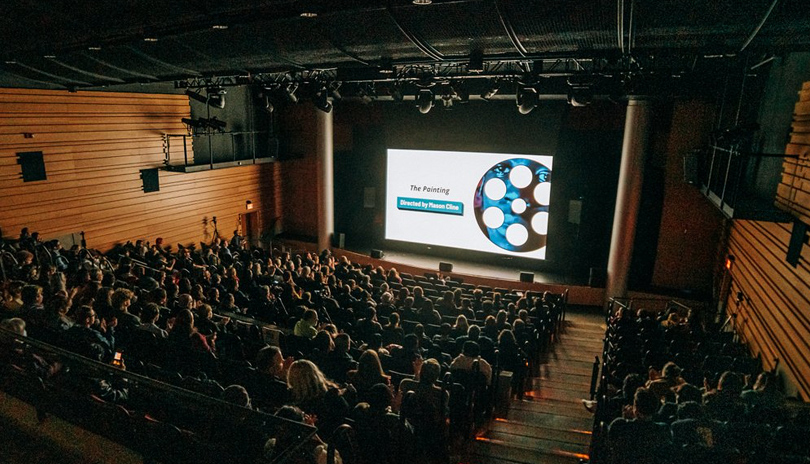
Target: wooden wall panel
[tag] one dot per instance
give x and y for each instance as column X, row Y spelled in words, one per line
column 94, row 145
column 793, row 192
column 770, row 299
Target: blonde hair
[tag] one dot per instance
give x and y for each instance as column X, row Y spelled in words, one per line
column 306, row 381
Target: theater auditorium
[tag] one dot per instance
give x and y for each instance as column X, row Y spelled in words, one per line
column 401, row 232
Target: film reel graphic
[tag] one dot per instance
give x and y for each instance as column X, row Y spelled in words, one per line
column 511, row 204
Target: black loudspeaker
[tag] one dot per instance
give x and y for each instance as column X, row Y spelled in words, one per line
column 33, row 166
column 377, row 254
column 445, row 267
column 798, row 238
column 151, row 180
column 527, row 277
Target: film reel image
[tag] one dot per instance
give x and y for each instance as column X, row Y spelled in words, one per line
column 511, row 204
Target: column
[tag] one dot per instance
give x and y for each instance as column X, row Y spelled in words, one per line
column 326, row 190
column 628, row 197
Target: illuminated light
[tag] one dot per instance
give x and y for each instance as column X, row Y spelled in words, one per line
column 94, row 48
column 219, row 27
column 422, row 2
column 249, row 204
column 309, row 14
column 150, row 39
column 729, row 262
column 50, row 57
column 500, row 419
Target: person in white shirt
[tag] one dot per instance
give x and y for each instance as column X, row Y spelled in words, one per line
column 470, row 353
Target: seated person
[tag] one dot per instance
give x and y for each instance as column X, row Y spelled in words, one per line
column 269, row 387
column 426, row 409
column 92, row 338
column 470, row 353
column 150, row 315
column 368, row 374
column 338, row 362
column 637, row 439
column 724, row 403
column 381, row 436
column 307, row 326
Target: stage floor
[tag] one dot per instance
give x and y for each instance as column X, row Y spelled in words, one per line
column 499, row 270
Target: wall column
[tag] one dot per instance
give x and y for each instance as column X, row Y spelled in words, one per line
column 628, row 197
column 326, row 190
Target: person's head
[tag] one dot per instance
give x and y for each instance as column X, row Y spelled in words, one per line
column 31, row 295
column 410, row 343
column 631, row 383
column 393, row 320
column 471, row 349
column 184, row 321
column 490, row 321
column 204, row 311
column 419, row 330
column 150, row 313
column 461, row 323
column 185, row 301
column 671, row 371
column 59, row 305
column 386, row 298
column 311, row 316
column 305, row 381
column 418, row 292
column 369, row 365
column 500, row 319
column 645, row 403
column 731, row 383
column 688, row 392
column 236, row 394
column 323, row 341
column 121, row 299
column 430, row 372
column 342, row 343
column 507, row 337
column 474, row 332
column 158, row 296
column 270, row 360
column 85, row 316
column 14, row 325
column 380, row 398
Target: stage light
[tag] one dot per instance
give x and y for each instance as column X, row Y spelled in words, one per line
column 321, row 100
column 289, row 92
column 424, row 101
column 527, row 100
column 476, row 61
column 215, row 97
column 490, row 90
column 580, row 94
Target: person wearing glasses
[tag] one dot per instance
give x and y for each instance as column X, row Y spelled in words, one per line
column 92, row 336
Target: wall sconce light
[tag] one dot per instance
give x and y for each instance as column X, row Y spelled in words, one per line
column 729, row 262
column 248, row 205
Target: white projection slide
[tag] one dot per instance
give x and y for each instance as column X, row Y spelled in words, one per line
column 490, row 202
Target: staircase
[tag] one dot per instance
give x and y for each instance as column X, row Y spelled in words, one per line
column 550, row 425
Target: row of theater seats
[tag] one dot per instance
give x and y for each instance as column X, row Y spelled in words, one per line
column 161, row 422
column 643, row 345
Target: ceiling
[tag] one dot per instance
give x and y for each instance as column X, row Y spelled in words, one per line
column 70, row 44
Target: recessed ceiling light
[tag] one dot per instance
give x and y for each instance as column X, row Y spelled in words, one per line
column 11, row 61
column 50, row 57
column 219, row 27
column 94, row 48
column 422, row 2
column 309, row 14
column 150, row 39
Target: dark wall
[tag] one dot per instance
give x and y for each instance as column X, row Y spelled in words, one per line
column 585, row 143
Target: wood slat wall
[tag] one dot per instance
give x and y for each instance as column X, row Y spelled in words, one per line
column 793, row 193
column 770, row 299
column 94, row 145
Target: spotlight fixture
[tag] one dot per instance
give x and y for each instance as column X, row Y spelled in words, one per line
column 424, row 101
column 580, row 93
column 490, row 90
column 215, row 97
column 527, row 100
column 321, row 100
column 289, row 92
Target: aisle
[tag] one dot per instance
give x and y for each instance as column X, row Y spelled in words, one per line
column 550, row 425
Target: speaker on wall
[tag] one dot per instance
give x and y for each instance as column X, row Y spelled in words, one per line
column 527, row 277
column 151, row 180
column 33, row 166
column 377, row 254
column 445, row 267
